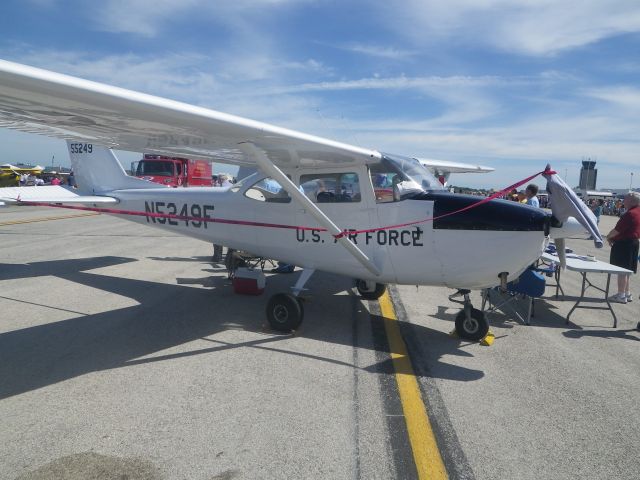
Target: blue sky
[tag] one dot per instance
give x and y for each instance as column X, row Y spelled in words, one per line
column 505, row 83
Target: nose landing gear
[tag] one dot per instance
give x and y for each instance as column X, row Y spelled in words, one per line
column 370, row 290
column 471, row 323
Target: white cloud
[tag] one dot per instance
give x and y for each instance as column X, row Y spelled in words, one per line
column 622, row 96
column 148, row 18
column 377, row 51
column 543, row 27
column 177, row 76
column 427, row 84
column 139, row 17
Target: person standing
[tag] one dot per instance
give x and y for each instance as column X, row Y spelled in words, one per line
column 531, row 193
column 217, row 253
column 624, row 245
column 597, row 211
column 224, row 181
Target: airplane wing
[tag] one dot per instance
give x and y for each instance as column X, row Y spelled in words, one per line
column 39, row 101
column 49, row 194
column 8, row 167
column 443, row 166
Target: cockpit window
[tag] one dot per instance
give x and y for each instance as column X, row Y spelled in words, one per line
column 331, row 187
column 397, row 178
column 268, row 190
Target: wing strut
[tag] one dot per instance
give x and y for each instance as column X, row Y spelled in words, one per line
column 268, row 167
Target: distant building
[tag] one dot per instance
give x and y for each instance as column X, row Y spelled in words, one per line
column 588, row 175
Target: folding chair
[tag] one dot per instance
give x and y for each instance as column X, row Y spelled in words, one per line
column 529, row 285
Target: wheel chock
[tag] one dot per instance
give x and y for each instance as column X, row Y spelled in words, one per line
column 487, row 341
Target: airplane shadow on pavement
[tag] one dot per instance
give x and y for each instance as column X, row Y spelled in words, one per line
column 621, row 334
column 170, row 315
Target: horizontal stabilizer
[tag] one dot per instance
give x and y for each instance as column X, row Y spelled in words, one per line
column 49, row 194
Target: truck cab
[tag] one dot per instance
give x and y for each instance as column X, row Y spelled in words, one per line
column 173, row 171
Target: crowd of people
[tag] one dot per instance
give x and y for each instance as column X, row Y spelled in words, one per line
column 610, row 206
column 528, row 196
column 599, row 206
column 223, row 180
column 28, row 179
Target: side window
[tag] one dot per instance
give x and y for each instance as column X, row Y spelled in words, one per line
column 268, row 190
column 331, row 187
column 384, row 184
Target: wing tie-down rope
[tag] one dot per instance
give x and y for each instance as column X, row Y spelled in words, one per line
column 115, row 211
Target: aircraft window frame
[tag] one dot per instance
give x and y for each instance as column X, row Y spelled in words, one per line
column 383, row 185
column 248, row 180
column 257, row 193
column 323, row 192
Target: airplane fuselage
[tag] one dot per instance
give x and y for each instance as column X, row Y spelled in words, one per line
column 467, row 252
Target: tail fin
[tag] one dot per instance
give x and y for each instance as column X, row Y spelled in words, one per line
column 97, row 170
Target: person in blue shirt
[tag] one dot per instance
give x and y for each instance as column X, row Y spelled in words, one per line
column 597, row 211
column 530, row 193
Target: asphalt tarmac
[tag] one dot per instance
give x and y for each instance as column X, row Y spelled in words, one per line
column 124, row 353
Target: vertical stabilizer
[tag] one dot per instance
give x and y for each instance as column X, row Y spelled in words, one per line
column 97, row 170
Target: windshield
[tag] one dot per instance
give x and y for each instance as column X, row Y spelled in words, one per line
column 403, row 177
column 155, row 168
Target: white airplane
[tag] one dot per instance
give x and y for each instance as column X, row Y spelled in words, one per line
column 374, row 217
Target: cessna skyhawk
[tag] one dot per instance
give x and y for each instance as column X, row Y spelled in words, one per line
column 316, row 203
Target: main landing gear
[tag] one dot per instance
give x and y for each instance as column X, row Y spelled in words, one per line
column 471, row 323
column 285, row 311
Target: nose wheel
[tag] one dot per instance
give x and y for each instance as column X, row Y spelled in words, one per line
column 472, row 326
column 370, row 290
column 471, row 323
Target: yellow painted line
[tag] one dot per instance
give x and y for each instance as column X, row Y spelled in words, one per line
column 44, row 219
column 423, row 441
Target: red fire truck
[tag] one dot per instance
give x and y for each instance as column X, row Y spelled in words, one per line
column 173, row 171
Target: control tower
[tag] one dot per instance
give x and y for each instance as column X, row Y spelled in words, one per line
column 588, row 175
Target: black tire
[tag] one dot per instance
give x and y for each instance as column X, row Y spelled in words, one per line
column 284, row 312
column 475, row 329
column 375, row 294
